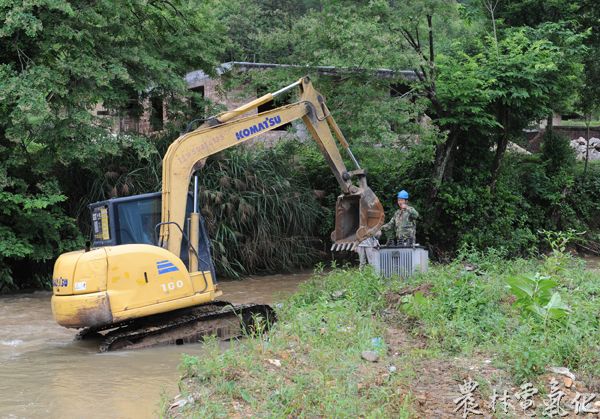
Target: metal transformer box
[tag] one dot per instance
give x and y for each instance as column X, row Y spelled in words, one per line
column 402, row 261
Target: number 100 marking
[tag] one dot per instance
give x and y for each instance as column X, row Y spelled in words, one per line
column 171, row 286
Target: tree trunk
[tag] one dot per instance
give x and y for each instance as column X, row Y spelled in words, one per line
column 588, row 121
column 443, row 159
column 549, row 123
column 501, row 145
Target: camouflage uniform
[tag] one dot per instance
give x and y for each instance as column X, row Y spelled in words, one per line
column 405, row 225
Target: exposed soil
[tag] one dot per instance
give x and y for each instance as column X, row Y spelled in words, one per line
column 395, row 298
column 434, row 387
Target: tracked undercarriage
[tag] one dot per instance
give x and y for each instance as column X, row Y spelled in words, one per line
column 188, row 325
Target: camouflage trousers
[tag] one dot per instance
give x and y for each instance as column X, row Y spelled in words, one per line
column 406, row 236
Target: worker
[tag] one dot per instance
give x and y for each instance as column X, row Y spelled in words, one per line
column 367, row 251
column 404, row 221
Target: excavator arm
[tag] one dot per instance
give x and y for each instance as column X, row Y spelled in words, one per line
column 359, row 214
column 135, row 295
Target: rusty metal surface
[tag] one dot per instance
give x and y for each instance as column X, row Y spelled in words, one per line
column 358, row 215
column 86, row 316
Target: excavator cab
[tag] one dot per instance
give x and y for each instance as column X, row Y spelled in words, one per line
column 133, row 220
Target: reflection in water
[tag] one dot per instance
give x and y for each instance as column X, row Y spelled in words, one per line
column 45, row 373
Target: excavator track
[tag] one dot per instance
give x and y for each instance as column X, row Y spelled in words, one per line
column 189, row 325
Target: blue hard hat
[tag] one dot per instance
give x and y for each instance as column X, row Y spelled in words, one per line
column 403, row 194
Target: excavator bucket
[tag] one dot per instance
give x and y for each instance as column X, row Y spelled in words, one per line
column 358, row 215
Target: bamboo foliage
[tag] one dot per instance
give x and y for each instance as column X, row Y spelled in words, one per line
column 261, row 213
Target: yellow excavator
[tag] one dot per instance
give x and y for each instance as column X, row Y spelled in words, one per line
column 147, row 278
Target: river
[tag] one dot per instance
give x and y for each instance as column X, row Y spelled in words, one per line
column 44, row 373
column 592, row 262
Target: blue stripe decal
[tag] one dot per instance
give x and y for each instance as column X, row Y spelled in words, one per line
column 167, row 270
column 165, row 266
column 162, row 265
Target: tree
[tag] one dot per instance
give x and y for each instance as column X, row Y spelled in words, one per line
column 58, row 59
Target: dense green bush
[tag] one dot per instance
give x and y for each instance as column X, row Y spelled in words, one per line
column 59, row 59
column 33, row 229
column 261, row 212
column 545, row 191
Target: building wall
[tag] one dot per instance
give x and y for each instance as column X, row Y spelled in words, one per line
column 122, row 122
column 232, row 99
column 214, row 92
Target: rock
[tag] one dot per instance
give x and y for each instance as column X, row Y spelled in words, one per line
column 180, row 403
column 336, row 295
column 275, row 362
column 597, row 404
column 370, row 356
column 567, row 382
column 580, row 147
column 562, row 371
column 392, row 369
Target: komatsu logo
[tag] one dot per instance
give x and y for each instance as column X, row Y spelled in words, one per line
column 255, row 129
column 165, row 266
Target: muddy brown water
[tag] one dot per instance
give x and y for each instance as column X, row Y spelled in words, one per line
column 592, row 262
column 44, row 373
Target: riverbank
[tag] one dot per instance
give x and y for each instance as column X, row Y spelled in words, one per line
column 458, row 322
column 45, row 373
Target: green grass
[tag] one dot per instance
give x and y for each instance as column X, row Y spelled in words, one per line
column 325, row 326
column 473, row 311
column 318, row 338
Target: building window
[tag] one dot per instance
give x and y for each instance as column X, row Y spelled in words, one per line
column 272, row 105
column 156, row 114
column 129, row 116
column 399, row 89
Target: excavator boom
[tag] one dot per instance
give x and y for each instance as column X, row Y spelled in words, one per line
column 135, row 291
column 359, row 214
